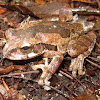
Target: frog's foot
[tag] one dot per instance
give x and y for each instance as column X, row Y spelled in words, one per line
column 77, row 64
column 46, row 75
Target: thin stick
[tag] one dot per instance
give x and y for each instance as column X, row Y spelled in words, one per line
column 6, row 86
column 66, row 74
column 66, row 96
column 19, row 73
column 93, row 63
column 98, row 45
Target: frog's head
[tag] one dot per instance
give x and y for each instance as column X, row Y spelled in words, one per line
column 20, row 50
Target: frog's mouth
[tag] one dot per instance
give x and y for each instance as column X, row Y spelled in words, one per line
column 21, row 56
column 16, row 56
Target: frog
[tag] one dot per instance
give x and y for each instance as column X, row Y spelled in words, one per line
column 51, row 40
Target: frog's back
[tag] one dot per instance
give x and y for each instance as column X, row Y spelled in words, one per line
column 46, row 27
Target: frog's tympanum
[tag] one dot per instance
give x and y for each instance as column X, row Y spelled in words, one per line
column 49, row 39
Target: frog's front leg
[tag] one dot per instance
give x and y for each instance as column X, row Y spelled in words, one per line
column 49, row 69
column 79, row 50
column 77, row 64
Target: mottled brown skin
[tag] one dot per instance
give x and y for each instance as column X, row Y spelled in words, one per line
column 51, row 40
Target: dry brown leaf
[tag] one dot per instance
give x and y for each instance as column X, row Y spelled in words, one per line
column 86, row 96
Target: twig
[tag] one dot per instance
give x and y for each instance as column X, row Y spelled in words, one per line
column 73, row 87
column 95, row 59
column 19, row 73
column 83, row 10
column 6, row 86
column 78, row 81
column 93, row 63
column 66, row 74
column 37, row 81
column 95, row 54
column 98, row 45
column 66, row 96
column 23, row 78
column 69, row 76
column 1, row 97
column 95, row 82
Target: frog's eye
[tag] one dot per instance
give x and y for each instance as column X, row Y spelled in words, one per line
column 25, row 48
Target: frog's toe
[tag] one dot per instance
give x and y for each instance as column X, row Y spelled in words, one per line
column 47, row 83
column 80, row 60
column 80, row 68
column 81, row 72
column 73, row 61
column 40, row 82
column 74, row 70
